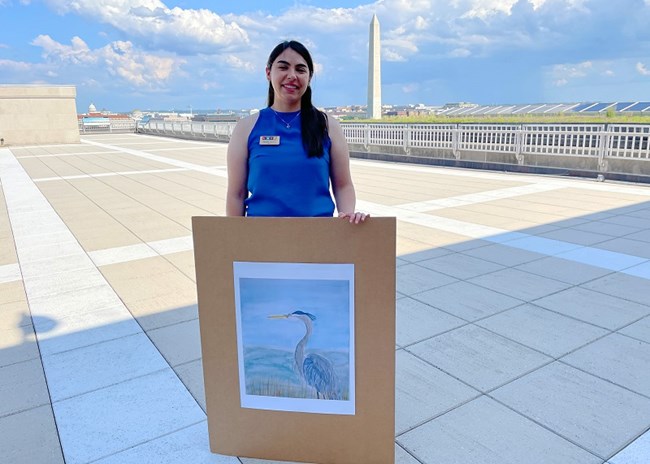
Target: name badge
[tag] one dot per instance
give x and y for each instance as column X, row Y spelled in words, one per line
column 270, row 140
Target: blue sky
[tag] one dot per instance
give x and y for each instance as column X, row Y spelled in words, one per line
column 327, row 300
column 176, row 54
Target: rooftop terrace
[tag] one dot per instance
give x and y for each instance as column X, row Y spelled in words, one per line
column 523, row 308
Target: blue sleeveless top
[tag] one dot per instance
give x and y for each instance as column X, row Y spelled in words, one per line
column 282, row 180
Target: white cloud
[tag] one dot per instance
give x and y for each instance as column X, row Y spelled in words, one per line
column 11, row 65
column 484, row 8
column 422, row 24
column 460, row 53
column 391, row 55
column 609, row 73
column 641, row 68
column 561, row 82
column 572, row 71
column 154, row 23
column 76, row 53
column 411, row 87
column 118, row 58
column 237, row 63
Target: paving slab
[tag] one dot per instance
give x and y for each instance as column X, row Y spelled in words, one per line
column 595, row 422
column 623, row 286
column 191, row 374
column 131, row 418
column 467, row 301
column 56, row 284
column 178, row 343
column 460, row 266
column 595, row 308
column 606, row 228
column 485, row 432
column 639, row 330
column 519, row 284
column 417, row 321
column 423, row 392
column 479, row 357
column 413, row 278
column 617, row 358
column 425, row 254
column 403, row 457
column 82, row 370
column 188, row 445
column 17, row 343
column 627, row 246
column 606, row 259
column 164, row 310
column 63, row 333
column 11, row 292
column 563, row 270
column 504, row 255
column 14, row 313
column 579, row 237
column 30, row 437
column 542, row 330
column 22, row 387
column 640, row 270
column 635, row 453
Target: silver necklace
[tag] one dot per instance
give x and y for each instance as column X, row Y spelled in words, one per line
column 288, row 124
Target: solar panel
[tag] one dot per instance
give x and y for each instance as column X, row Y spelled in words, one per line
column 567, row 107
column 539, row 109
column 640, row 106
column 597, row 107
column 583, row 106
column 620, row 106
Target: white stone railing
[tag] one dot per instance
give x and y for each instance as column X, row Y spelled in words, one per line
column 201, row 130
column 114, row 125
column 592, row 140
column 600, row 141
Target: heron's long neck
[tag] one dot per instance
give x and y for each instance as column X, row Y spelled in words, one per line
column 300, row 348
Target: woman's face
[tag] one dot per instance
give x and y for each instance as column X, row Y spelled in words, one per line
column 289, row 76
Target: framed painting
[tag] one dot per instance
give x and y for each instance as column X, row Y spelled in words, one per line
column 297, row 321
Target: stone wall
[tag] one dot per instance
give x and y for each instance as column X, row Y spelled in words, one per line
column 38, row 114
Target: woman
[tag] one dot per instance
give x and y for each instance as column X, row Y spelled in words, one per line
column 281, row 160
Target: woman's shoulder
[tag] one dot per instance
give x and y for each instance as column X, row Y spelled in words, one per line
column 244, row 126
column 248, row 121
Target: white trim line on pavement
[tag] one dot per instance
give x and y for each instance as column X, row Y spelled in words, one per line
column 161, row 159
column 10, row 273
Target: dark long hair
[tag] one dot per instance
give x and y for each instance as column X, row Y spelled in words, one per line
column 313, row 123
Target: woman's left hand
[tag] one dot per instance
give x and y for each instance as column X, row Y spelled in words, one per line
column 354, row 218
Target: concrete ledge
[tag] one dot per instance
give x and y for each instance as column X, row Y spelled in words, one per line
column 575, row 171
column 32, row 114
column 37, row 91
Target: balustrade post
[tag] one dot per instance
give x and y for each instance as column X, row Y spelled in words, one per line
column 455, row 143
column 603, row 148
column 519, row 144
column 407, row 139
column 366, row 136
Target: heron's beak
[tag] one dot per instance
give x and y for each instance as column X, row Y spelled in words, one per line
column 279, row 316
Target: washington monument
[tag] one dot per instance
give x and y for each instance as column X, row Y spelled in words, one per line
column 374, row 71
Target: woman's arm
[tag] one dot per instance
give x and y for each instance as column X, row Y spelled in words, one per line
column 342, row 185
column 237, row 161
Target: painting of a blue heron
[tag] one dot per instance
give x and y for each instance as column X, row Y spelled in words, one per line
column 296, row 336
